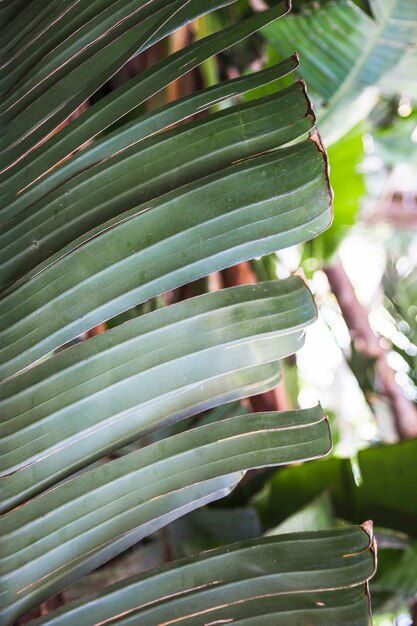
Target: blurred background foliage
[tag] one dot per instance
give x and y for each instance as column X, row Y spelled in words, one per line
column 360, row 359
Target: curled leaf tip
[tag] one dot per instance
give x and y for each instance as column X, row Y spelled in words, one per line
column 316, row 139
column 310, row 110
column 368, row 527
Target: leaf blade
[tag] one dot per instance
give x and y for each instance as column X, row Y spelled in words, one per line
column 168, row 476
column 92, row 399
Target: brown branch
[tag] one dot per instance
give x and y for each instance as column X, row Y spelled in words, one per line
column 356, row 318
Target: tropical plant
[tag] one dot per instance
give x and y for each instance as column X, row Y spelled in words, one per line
column 100, row 214
column 400, row 297
column 351, row 61
column 346, row 54
column 317, row 496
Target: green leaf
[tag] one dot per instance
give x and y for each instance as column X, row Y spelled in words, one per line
column 129, row 96
column 22, row 24
column 301, row 5
column 88, row 520
column 31, row 182
column 288, row 580
column 342, row 51
column 394, row 144
column 26, row 123
column 386, row 493
column 402, row 78
column 395, row 582
column 251, row 208
column 11, row 11
column 347, row 180
column 316, row 515
column 70, row 35
column 133, row 215
column 212, row 527
column 102, row 394
column 144, row 172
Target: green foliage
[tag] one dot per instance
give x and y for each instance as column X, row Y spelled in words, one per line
column 394, row 142
column 400, row 299
column 348, row 184
column 383, row 489
column 284, row 580
column 395, row 585
column 316, row 515
column 343, row 50
column 212, row 338
column 100, row 214
column 113, row 507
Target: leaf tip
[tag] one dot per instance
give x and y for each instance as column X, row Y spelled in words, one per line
column 310, row 111
column 316, row 139
column 368, row 528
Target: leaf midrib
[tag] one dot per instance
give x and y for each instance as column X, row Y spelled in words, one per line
column 347, row 84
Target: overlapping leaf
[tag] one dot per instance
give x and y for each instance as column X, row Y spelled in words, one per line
column 127, row 97
column 86, row 521
column 100, row 395
column 343, row 50
column 75, row 32
column 33, row 179
column 389, row 501
column 137, row 213
column 249, row 209
column 149, row 170
column 315, row 578
column 29, row 119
